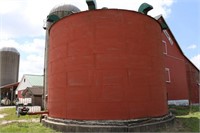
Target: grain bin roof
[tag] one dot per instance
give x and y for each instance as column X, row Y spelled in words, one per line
column 11, row 49
column 64, row 7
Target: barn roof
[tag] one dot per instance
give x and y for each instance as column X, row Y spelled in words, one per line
column 8, row 86
column 160, row 19
column 34, row 90
column 35, row 80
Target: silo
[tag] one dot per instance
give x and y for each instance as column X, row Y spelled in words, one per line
column 9, row 65
column 105, row 71
column 58, row 12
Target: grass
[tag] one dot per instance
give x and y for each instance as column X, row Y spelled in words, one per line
column 183, row 110
column 21, row 127
column 11, row 115
column 187, row 118
column 25, row 128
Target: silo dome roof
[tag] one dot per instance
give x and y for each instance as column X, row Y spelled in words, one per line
column 11, row 49
column 65, row 7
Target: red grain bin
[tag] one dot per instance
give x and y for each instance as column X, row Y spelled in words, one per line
column 106, row 65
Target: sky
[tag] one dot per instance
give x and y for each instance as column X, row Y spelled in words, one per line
column 21, row 25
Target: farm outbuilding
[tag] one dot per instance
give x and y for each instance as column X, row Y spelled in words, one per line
column 8, row 93
column 35, row 93
column 182, row 76
column 29, row 80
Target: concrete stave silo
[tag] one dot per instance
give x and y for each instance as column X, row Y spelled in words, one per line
column 9, row 70
column 9, row 65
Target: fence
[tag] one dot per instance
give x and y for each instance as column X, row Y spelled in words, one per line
column 33, row 109
column 25, row 101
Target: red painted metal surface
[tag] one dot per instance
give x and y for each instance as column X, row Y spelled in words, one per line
column 106, row 65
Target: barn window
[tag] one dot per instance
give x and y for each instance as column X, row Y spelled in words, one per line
column 167, row 75
column 164, row 47
column 168, row 36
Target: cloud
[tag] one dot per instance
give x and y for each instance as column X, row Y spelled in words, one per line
column 32, row 46
column 35, row 46
column 192, row 46
column 25, row 18
column 196, row 60
column 7, row 6
column 22, row 18
column 159, row 6
column 9, row 43
column 32, row 64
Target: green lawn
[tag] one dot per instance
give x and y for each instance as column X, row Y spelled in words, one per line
column 21, row 127
column 187, row 118
column 11, row 115
column 25, row 127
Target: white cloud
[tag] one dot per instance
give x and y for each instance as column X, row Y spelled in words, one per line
column 32, row 64
column 25, row 17
column 7, row 6
column 192, row 46
column 196, row 60
column 159, row 6
column 35, row 46
column 20, row 19
column 9, row 43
